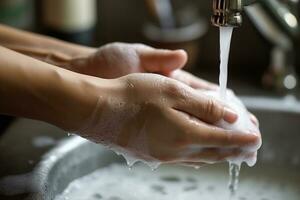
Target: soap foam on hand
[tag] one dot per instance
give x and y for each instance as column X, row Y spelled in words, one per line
column 243, row 124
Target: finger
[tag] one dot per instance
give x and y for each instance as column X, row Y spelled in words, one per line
column 204, row 107
column 192, row 80
column 254, row 119
column 160, row 60
column 213, row 155
column 204, row 135
column 217, row 137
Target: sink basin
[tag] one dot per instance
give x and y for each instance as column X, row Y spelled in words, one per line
column 76, row 157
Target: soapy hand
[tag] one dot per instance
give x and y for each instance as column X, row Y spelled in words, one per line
column 119, row 59
column 160, row 119
column 245, row 123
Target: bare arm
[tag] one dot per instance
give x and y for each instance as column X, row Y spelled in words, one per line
column 118, row 111
column 110, row 61
column 34, row 89
column 41, row 47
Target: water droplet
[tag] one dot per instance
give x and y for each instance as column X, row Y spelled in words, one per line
column 153, row 165
column 197, row 167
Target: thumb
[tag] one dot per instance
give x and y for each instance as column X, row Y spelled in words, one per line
column 161, row 61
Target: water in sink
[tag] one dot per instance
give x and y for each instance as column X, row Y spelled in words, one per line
column 116, row 182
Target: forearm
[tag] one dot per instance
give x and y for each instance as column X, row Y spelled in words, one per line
column 33, row 89
column 44, row 48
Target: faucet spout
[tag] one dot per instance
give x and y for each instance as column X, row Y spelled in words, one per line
column 228, row 12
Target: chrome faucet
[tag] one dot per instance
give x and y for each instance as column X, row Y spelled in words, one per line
column 228, row 12
column 278, row 21
column 285, row 12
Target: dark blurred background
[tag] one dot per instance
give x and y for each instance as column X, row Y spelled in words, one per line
column 126, row 20
column 160, row 23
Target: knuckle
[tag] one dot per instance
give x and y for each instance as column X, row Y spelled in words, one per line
column 212, row 110
column 174, row 90
column 154, row 110
column 209, row 108
column 114, row 44
column 129, row 85
column 172, row 87
column 109, row 47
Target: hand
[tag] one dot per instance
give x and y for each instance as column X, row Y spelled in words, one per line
column 160, row 118
column 119, row 59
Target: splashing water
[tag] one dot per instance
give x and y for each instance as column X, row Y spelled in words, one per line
column 131, row 159
column 234, row 171
column 225, row 40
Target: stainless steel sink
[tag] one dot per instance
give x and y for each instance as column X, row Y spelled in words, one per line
column 76, row 157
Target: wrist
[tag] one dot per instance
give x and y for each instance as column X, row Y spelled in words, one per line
column 80, row 60
column 80, row 95
column 92, row 95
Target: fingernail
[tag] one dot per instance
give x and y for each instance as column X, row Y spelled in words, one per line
column 230, row 116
